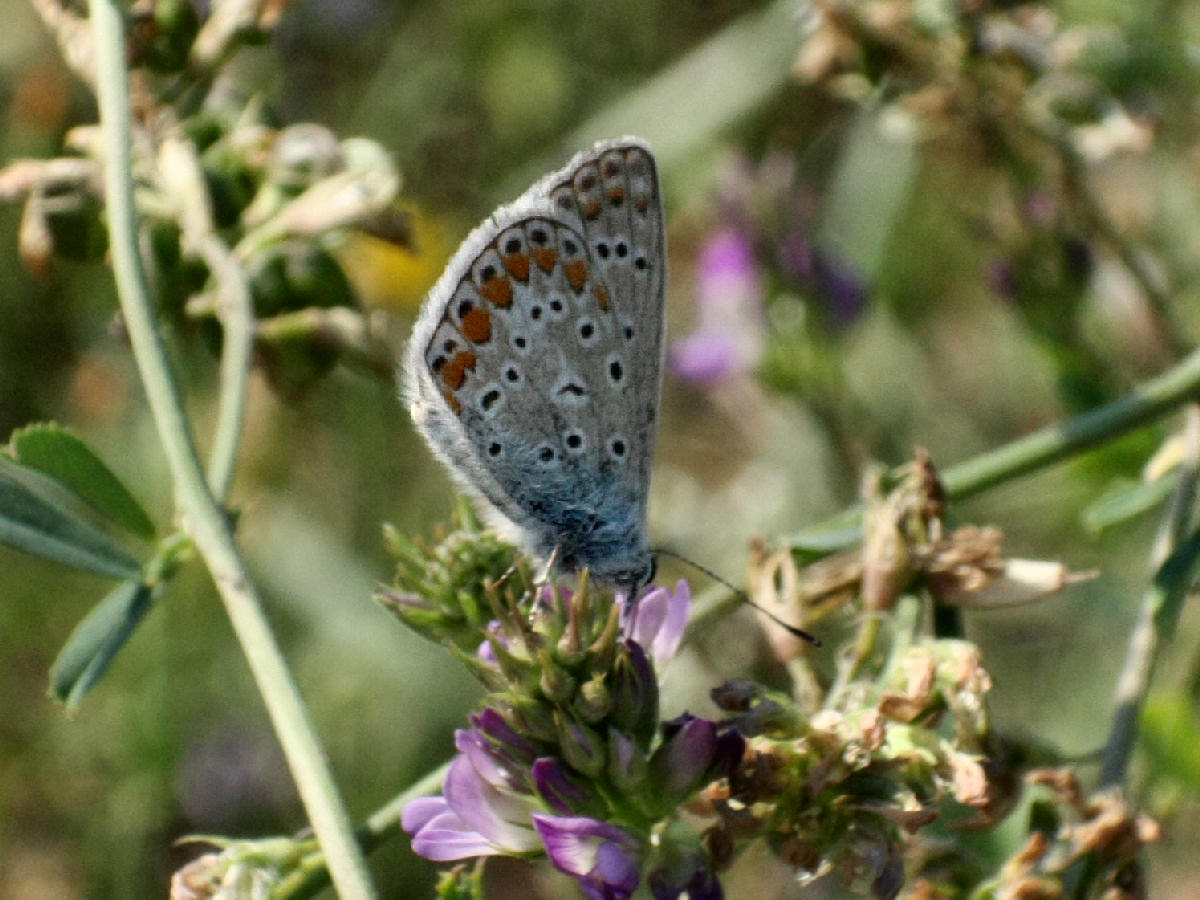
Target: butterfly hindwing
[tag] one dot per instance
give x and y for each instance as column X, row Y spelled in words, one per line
column 535, row 366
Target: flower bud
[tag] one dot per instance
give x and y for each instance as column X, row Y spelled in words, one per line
column 635, row 694
column 626, row 763
column 581, row 747
column 593, row 701
column 564, row 791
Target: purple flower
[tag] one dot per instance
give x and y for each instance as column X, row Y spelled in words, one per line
column 704, row 358
column 658, row 620
column 729, row 334
column 605, row 859
column 635, row 694
column 501, row 742
column 840, row 290
column 477, row 815
column 680, row 866
column 563, row 790
column 692, row 755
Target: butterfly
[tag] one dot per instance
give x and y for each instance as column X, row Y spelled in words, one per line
column 535, row 366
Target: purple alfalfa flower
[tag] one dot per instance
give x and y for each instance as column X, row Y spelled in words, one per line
column 478, row 814
column 563, row 789
column 679, row 867
column 486, row 651
column 730, row 331
column 657, row 621
column 505, row 744
column 605, row 859
column 635, row 694
column 693, row 753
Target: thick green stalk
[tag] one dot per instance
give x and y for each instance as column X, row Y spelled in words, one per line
column 1039, row 450
column 203, row 517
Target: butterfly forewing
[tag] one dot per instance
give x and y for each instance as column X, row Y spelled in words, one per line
column 536, row 364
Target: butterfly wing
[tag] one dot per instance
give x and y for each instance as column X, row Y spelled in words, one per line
column 535, row 367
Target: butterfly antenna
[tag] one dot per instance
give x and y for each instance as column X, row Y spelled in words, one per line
column 743, row 596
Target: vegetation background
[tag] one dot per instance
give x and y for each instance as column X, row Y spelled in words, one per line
column 952, row 306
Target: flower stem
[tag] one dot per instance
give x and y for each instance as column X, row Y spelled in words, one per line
column 1039, row 450
column 1054, row 443
column 312, row 875
column 202, row 516
column 1175, row 561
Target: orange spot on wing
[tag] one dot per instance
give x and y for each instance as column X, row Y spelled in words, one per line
column 451, row 400
column 454, row 373
column 477, row 325
column 590, row 210
column 498, row 290
column 576, row 273
column 641, row 202
column 517, row 265
column 602, row 297
column 616, row 195
column 545, row 257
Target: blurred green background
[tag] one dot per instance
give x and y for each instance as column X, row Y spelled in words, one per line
column 934, row 315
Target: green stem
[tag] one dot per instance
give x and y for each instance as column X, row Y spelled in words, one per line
column 236, row 313
column 1054, row 443
column 312, row 875
column 203, row 517
column 1175, row 560
column 1043, row 448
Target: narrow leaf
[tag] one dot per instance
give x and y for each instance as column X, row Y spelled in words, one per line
column 1124, row 500
column 30, row 522
column 96, row 640
column 1170, row 734
column 55, row 451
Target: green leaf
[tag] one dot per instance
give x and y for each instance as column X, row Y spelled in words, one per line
column 1125, row 499
column 31, row 521
column 56, row 452
column 96, row 640
column 1170, row 734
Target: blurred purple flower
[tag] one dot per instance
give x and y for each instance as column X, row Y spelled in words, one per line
column 1041, row 208
column 605, row 859
column 657, row 621
column 839, row 290
column 1001, row 278
column 730, row 331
